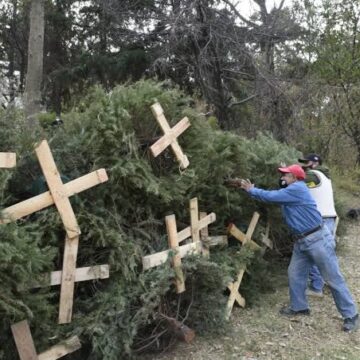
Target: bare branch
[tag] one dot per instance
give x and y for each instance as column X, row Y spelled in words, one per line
column 242, row 101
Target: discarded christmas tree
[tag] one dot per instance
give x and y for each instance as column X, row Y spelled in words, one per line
column 123, row 221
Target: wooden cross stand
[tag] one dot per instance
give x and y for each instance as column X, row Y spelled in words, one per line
column 265, row 239
column 209, row 241
column 170, row 136
column 26, row 348
column 59, row 194
column 175, row 238
column 7, row 160
column 239, row 235
column 234, row 286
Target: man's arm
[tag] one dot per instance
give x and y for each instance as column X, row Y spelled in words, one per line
column 311, row 180
column 282, row 196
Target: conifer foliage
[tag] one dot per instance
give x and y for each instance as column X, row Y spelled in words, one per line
column 123, row 220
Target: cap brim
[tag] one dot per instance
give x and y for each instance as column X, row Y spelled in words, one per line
column 284, row 170
column 303, row 160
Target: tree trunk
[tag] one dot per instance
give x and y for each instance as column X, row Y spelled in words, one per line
column 11, row 54
column 32, row 96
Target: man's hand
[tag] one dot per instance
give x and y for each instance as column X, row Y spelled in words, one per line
column 246, row 184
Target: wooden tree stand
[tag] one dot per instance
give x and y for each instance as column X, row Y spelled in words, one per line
column 245, row 239
column 197, row 233
column 59, row 194
column 26, row 348
column 265, row 239
column 170, row 136
column 234, row 286
column 239, row 235
column 7, row 160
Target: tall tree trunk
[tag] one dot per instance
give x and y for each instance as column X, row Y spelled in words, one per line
column 11, row 54
column 34, row 74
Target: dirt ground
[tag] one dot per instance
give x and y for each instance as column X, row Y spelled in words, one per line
column 259, row 333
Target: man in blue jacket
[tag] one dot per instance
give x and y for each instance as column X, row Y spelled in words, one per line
column 311, row 245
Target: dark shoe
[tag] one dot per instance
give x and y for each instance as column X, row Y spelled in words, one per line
column 287, row 311
column 351, row 324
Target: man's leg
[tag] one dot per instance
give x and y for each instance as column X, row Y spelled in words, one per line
column 298, row 272
column 316, row 280
column 330, row 224
column 323, row 255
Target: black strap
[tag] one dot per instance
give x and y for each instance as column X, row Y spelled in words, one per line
column 306, row 233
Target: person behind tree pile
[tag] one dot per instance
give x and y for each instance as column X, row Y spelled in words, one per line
column 318, row 181
column 311, row 245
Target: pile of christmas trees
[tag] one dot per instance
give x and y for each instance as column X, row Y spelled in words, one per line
column 123, row 220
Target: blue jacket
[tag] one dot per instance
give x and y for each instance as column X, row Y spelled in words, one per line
column 297, row 205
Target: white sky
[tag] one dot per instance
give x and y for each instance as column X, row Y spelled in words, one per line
column 248, row 7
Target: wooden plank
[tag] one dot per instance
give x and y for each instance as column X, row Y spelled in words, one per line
column 24, row 341
column 7, row 160
column 60, row 350
column 159, row 146
column 265, row 238
column 57, row 189
column 234, row 291
column 252, row 225
column 239, row 235
column 44, row 200
column 160, row 118
column 81, row 274
column 204, row 234
column 68, row 279
column 194, row 220
column 238, row 298
column 160, row 258
column 217, row 240
column 198, row 224
column 209, row 219
column 158, row 113
column 234, row 287
column 236, row 284
column 180, row 156
column 184, row 234
column 176, row 259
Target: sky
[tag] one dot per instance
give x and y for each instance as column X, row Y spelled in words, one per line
column 248, row 7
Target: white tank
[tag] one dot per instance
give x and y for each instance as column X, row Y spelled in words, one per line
column 323, row 195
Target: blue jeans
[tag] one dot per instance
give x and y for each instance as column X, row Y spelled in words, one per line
column 316, row 249
column 316, row 281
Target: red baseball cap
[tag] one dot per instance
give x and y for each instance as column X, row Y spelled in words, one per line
column 296, row 170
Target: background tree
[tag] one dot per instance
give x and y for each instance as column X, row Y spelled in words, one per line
column 34, row 74
column 325, row 85
column 338, row 68
column 250, row 73
column 13, row 48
